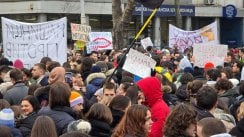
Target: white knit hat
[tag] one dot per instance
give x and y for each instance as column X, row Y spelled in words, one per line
column 7, row 117
column 79, row 125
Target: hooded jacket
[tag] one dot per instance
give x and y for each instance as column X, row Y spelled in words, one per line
column 6, row 84
column 57, row 74
column 94, row 82
column 151, row 88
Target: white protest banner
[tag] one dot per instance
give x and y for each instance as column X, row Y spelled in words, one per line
column 101, row 40
column 29, row 42
column 139, row 64
column 146, row 42
column 184, row 39
column 204, row 53
column 80, row 32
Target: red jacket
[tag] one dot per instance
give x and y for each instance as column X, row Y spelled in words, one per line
column 151, row 87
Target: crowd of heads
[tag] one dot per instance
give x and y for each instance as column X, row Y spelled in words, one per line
column 93, row 96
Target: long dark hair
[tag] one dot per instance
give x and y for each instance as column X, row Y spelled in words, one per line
column 59, row 95
column 44, row 127
column 133, row 122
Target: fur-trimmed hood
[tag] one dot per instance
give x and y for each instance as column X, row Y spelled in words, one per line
column 7, row 77
column 93, row 76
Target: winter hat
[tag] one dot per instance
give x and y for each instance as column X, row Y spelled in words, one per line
column 99, row 92
column 234, row 81
column 18, row 64
column 79, row 125
column 68, row 78
column 188, row 70
column 7, row 117
column 208, row 65
column 103, row 66
column 75, row 99
column 95, row 69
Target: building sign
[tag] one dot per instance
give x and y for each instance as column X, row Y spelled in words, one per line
column 229, row 11
column 166, row 10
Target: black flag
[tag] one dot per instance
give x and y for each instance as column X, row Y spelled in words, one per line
column 152, row 4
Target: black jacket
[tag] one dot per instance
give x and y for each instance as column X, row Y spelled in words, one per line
column 100, row 128
column 201, row 113
column 44, row 81
column 238, row 130
column 25, row 125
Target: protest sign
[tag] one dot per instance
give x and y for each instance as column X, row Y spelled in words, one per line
column 184, row 39
column 90, row 47
column 80, row 32
column 204, row 53
column 100, row 40
column 79, row 45
column 146, row 42
column 139, row 64
column 29, row 42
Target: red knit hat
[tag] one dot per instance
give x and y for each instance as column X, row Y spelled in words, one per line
column 208, row 65
column 18, row 64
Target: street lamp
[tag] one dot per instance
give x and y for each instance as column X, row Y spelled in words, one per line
column 82, row 13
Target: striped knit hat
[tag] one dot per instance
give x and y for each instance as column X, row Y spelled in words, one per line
column 7, row 117
column 75, row 99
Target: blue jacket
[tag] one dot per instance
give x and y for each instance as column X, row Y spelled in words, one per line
column 94, row 82
column 61, row 116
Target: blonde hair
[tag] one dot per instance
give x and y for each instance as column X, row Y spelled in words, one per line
column 240, row 114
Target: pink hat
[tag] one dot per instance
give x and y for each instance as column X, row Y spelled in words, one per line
column 18, row 64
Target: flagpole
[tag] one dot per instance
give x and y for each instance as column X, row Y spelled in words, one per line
column 133, row 42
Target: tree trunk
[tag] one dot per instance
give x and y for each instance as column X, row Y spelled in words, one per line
column 121, row 23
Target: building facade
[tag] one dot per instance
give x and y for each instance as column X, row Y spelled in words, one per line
column 195, row 14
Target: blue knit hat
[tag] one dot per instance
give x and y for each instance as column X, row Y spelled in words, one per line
column 188, row 70
column 7, row 117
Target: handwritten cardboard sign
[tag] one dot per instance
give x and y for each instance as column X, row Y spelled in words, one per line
column 204, row 53
column 146, row 42
column 30, row 42
column 139, row 64
column 80, row 32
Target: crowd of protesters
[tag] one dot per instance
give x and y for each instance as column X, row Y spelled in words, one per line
column 86, row 97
